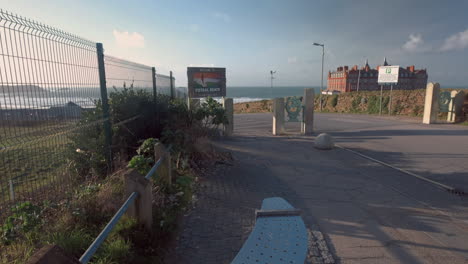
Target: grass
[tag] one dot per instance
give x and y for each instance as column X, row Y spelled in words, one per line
column 74, row 222
column 32, row 159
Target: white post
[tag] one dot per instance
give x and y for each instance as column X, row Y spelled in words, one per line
column 455, row 106
column 278, row 116
column 390, row 103
column 431, row 104
column 308, row 119
column 381, row 95
column 12, row 191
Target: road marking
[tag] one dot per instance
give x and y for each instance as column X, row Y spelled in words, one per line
column 438, row 184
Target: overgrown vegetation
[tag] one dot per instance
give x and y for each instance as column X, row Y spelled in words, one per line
column 138, row 122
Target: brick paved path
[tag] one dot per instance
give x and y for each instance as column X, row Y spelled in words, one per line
column 368, row 213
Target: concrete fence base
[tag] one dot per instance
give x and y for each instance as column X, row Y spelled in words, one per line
column 308, row 101
column 431, row 104
column 455, row 113
column 278, row 116
column 142, row 209
column 165, row 171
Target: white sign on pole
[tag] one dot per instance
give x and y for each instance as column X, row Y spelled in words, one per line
column 388, row 74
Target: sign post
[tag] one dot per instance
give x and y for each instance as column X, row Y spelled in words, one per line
column 387, row 75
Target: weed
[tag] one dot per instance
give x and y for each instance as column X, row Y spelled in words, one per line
column 74, row 242
column 25, row 218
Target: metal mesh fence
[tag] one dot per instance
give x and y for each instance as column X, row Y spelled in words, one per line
column 49, row 79
column 122, row 73
column 163, row 84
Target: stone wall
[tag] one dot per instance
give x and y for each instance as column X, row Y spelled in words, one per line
column 404, row 102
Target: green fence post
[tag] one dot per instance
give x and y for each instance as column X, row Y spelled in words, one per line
column 105, row 104
column 172, row 85
column 153, row 70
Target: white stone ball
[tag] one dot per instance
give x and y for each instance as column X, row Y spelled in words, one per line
column 324, row 141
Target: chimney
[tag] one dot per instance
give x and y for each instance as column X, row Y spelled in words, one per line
column 355, row 67
column 346, row 68
column 411, row 68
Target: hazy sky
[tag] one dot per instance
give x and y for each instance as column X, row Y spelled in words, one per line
column 250, row 38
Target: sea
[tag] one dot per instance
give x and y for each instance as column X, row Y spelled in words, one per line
column 258, row 93
column 86, row 98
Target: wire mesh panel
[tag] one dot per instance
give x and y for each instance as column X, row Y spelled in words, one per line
column 163, row 84
column 122, row 73
column 48, row 79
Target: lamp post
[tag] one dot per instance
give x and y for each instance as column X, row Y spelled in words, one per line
column 321, row 82
column 272, row 77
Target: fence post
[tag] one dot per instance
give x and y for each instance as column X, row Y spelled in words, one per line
column 105, row 105
column 142, row 209
column 153, row 70
column 165, row 173
column 172, row 85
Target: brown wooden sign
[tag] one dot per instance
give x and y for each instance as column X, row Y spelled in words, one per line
column 204, row 82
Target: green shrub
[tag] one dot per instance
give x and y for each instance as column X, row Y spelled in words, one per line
column 373, row 105
column 334, row 100
column 385, row 103
column 355, row 104
column 134, row 116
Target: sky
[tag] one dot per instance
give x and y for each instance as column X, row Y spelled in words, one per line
column 250, row 38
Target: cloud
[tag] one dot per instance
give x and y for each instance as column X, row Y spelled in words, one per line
column 222, row 16
column 415, row 43
column 129, row 40
column 194, row 28
column 457, row 41
column 292, row 60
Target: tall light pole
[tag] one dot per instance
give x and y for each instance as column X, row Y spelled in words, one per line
column 271, row 78
column 321, row 82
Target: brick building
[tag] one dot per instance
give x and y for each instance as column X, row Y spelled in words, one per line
column 345, row 79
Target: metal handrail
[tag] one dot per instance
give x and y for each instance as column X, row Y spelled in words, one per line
column 86, row 257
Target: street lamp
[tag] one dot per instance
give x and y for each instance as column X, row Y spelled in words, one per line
column 321, row 83
column 271, row 73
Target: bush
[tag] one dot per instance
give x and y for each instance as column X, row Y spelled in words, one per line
column 334, row 100
column 134, row 116
column 355, row 104
column 373, row 105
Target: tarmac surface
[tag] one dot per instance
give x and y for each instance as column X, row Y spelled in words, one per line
column 367, row 213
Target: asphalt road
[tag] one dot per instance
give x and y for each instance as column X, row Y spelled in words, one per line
column 369, row 213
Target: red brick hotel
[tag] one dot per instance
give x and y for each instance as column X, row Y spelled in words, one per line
column 365, row 79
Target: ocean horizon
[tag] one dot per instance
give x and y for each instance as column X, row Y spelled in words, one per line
column 242, row 94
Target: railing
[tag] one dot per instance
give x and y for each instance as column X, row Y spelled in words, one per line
column 86, row 257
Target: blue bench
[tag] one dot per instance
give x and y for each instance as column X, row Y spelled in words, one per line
column 279, row 236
